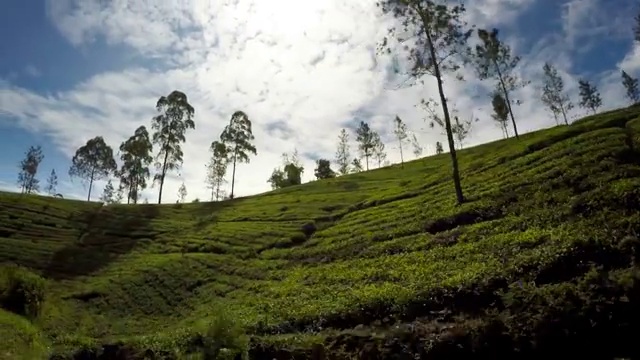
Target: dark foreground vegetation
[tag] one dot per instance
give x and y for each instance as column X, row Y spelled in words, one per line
column 540, row 261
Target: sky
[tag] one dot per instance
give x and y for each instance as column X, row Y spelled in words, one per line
column 71, row 70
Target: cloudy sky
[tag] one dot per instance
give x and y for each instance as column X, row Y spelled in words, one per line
column 302, row 70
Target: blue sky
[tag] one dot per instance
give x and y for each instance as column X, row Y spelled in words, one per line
column 72, row 70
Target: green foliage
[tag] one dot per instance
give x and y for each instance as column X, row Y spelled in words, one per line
column 400, row 131
column 323, row 169
column 136, row 155
column 21, row 291
column 108, row 194
column 217, row 169
column 52, row 183
column 170, row 127
column 93, row 161
column 631, row 86
column 553, row 95
column 366, row 139
column 378, row 149
column 237, row 137
column 500, row 113
column 28, row 170
column 290, row 176
column 589, row 96
column 342, row 154
column 224, row 339
column 21, row 340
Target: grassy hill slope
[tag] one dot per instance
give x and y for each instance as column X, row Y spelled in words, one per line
column 541, row 257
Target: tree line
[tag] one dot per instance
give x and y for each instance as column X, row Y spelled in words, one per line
column 435, row 41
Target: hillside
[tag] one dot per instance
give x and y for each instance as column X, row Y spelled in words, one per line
column 540, row 260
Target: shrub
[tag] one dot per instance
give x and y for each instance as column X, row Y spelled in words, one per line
column 308, row 229
column 21, row 291
column 225, row 339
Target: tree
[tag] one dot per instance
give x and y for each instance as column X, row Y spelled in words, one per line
column 342, row 154
column 237, row 136
column 494, row 60
column 439, row 46
column 323, row 169
column 28, row 170
column 291, row 175
column 631, row 85
column 400, row 131
column 93, row 161
column 500, row 113
column 366, row 141
column 175, row 118
column 356, row 165
column 553, row 95
column 52, row 183
column 462, row 129
column 136, row 155
column 108, row 193
column 439, row 148
column 119, row 195
column 182, row 193
column 589, row 96
column 417, row 149
column 378, row 149
column 217, row 169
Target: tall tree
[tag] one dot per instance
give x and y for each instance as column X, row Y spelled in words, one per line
column 400, row 130
column 494, row 60
column 108, row 193
column 323, row 169
column 136, row 155
column 366, row 141
column 553, row 95
column 170, row 126
column 52, row 183
column 237, row 137
column 182, row 193
column 217, row 169
column 631, row 85
column 93, row 161
column 589, row 96
column 439, row 148
column 378, row 149
column 343, row 154
column 28, row 170
column 438, row 35
column 417, row 149
column 500, row 113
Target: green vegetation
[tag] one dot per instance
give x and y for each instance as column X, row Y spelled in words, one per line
column 540, row 258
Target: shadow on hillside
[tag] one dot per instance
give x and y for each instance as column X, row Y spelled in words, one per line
column 109, row 232
column 206, row 213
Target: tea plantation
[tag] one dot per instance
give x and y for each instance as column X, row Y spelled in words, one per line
column 541, row 260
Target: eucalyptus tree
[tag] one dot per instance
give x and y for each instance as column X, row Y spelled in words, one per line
column 93, row 161
column 237, row 136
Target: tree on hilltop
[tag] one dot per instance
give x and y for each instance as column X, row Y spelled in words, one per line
column 500, row 113
column 290, row 175
column 217, row 169
column 136, row 155
column 417, row 149
column 323, row 169
column 237, row 136
column 589, row 96
column 378, row 149
column 29, row 169
column 494, row 60
column 553, row 95
column 182, row 193
column 170, row 126
column 631, row 86
column 366, row 141
column 438, row 35
column 52, row 183
column 342, row 154
column 400, row 131
column 93, row 161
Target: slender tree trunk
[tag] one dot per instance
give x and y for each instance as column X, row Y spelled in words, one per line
column 233, row 176
column 91, row 183
column 366, row 159
column 506, row 98
column 164, row 171
column 564, row 114
column 447, row 120
column 401, row 156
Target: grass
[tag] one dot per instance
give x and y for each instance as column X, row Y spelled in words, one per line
column 370, row 264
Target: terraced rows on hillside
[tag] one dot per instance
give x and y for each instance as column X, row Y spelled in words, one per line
column 369, row 265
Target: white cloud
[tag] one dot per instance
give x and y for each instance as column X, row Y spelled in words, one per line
column 32, row 71
column 301, row 70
